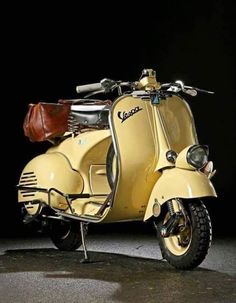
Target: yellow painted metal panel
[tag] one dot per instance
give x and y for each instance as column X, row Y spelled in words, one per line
column 179, row 183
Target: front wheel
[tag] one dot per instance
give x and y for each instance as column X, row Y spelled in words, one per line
column 65, row 235
column 187, row 248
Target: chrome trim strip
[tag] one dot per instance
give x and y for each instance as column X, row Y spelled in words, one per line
column 115, row 144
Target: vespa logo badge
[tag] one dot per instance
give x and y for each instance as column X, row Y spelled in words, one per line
column 123, row 116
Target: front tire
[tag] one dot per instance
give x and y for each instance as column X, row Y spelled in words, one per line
column 65, row 235
column 188, row 250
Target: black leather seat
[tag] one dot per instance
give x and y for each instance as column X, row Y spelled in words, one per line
column 90, row 114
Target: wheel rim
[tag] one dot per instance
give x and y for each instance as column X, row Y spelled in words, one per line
column 179, row 244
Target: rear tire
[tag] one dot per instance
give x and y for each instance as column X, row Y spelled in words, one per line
column 197, row 239
column 65, row 235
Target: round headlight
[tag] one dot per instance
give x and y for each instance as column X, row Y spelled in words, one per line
column 197, row 155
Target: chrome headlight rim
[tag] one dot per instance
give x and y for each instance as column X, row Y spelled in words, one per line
column 192, row 149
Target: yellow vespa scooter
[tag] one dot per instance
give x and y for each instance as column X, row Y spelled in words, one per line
column 137, row 158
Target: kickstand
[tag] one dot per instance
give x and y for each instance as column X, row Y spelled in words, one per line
column 83, row 230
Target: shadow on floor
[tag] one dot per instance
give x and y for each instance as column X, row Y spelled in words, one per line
column 145, row 279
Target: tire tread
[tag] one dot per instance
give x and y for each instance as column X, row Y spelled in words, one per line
column 198, row 250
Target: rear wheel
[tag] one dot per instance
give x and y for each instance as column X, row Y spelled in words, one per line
column 65, row 235
column 187, row 248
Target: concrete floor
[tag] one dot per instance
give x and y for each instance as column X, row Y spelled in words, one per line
column 124, row 268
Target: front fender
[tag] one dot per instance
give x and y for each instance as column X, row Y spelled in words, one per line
column 179, row 183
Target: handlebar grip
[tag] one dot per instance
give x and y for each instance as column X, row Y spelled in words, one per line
column 88, row 88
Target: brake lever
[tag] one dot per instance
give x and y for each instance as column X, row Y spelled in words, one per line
column 200, row 90
column 204, row 91
column 95, row 93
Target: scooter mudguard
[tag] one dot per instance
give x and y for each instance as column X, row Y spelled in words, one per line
column 179, row 183
column 48, row 171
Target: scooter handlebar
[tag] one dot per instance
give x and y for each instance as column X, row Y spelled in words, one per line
column 89, row 88
column 178, row 86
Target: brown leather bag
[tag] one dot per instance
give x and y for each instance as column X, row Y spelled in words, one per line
column 46, row 121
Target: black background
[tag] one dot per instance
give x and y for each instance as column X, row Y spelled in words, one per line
column 47, row 51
